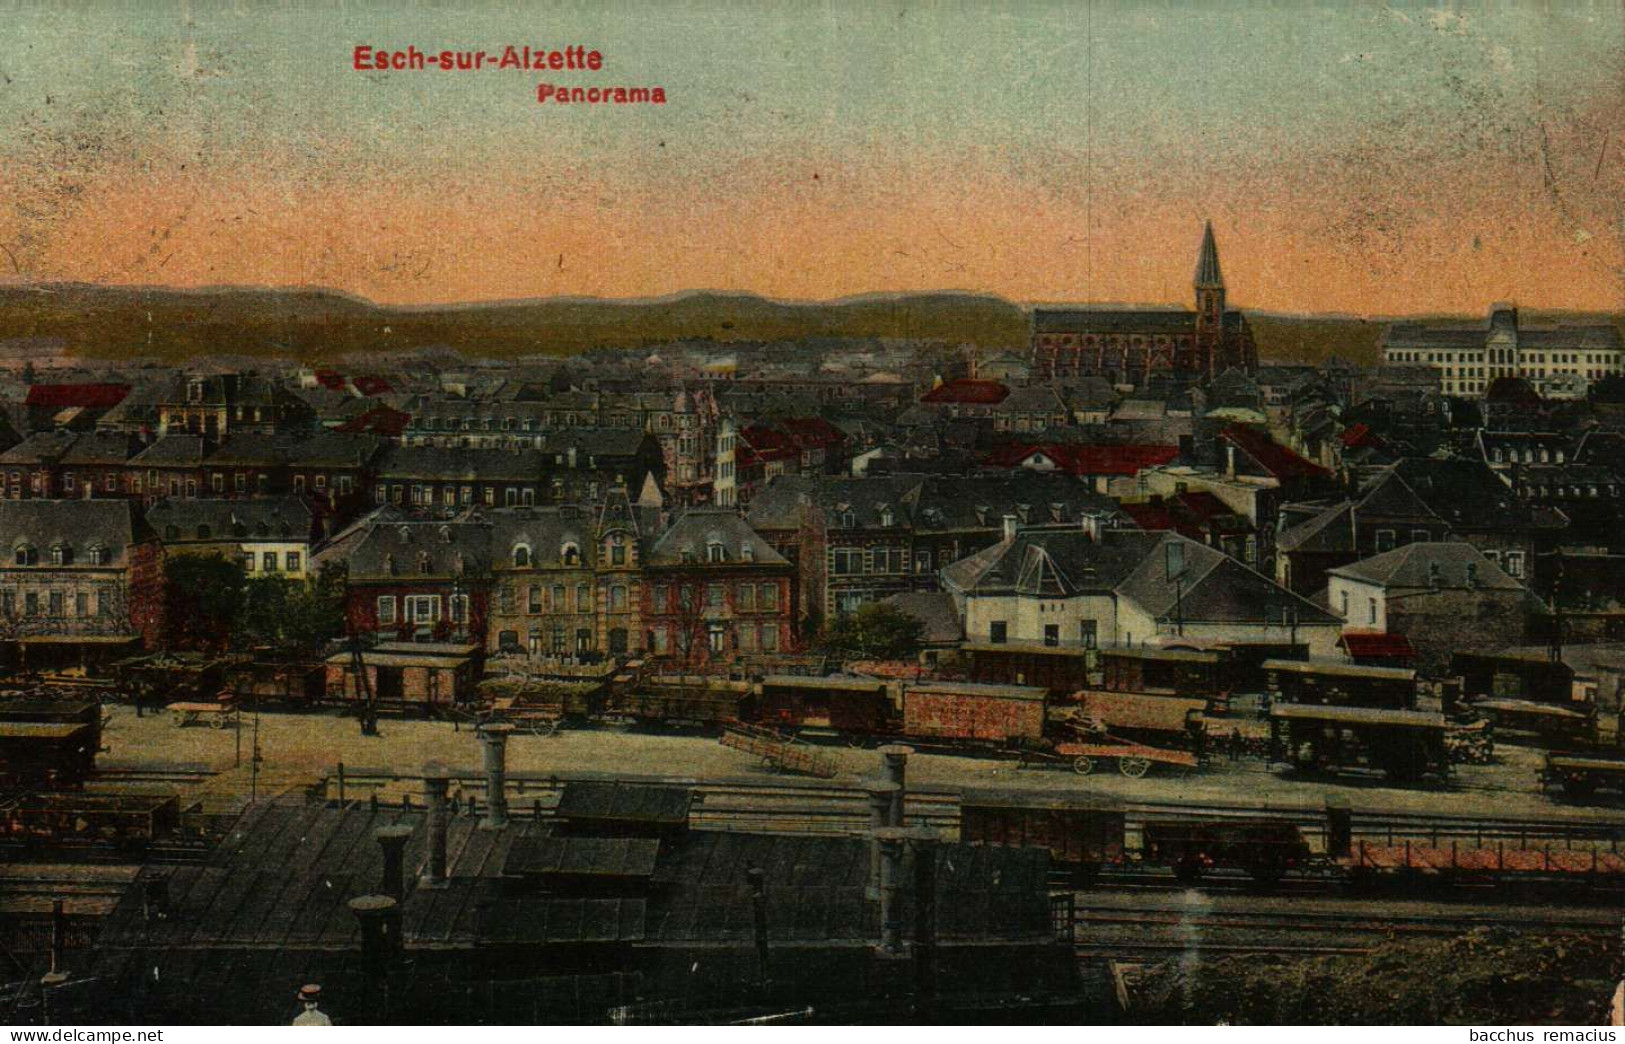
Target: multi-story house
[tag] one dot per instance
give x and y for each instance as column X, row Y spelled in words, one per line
column 96, row 465
column 714, row 591
column 334, row 472
column 567, row 579
column 32, row 467
column 434, row 480
column 79, row 568
column 170, row 467
column 1091, row 587
column 415, row 579
column 215, row 406
column 268, row 537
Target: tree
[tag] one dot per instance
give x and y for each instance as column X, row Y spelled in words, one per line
column 202, row 595
column 291, row 616
column 877, row 631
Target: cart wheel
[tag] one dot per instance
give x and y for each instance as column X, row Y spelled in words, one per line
column 178, row 721
column 856, row 741
column 550, row 729
column 1083, row 764
column 1134, row 768
column 219, row 721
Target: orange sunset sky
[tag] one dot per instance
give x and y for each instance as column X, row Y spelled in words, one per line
column 1360, row 158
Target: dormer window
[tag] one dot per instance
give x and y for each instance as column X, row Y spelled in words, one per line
column 425, row 566
column 61, row 554
column 747, row 552
column 389, row 565
column 570, row 553
column 98, row 555
column 26, row 555
column 445, row 534
column 521, row 556
column 887, row 517
column 194, row 391
column 849, row 520
column 405, row 533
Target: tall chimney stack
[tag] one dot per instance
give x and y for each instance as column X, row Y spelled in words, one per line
column 896, row 760
column 392, row 839
column 380, row 919
column 436, row 784
column 880, row 793
column 495, row 738
column 891, row 841
column 1009, row 528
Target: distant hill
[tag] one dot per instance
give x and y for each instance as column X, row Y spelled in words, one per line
column 316, row 325
column 319, row 325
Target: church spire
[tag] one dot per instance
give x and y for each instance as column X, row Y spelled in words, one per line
column 1208, row 276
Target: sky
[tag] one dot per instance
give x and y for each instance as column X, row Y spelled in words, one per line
column 1357, row 158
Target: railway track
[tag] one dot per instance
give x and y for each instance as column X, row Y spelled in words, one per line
column 1118, row 926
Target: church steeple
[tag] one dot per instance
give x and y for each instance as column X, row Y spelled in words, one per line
column 1208, row 276
column 1209, row 282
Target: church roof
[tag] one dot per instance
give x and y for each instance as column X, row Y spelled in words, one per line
column 1207, row 262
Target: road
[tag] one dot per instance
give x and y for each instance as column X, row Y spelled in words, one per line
column 314, row 742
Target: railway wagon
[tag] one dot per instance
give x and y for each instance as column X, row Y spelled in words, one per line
column 1340, row 684
column 406, row 677
column 1582, row 773
column 1144, row 716
column 77, row 816
column 1196, row 671
column 694, row 700
column 1405, row 745
column 1265, row 848
column 856, row 706
column 1082, row 835
column 1537, row 701
column 1060, row 669
column 272, row 681
column 1003, row 714
column 48, row 742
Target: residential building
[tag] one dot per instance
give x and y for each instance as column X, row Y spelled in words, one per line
column 714, row 591
column 79, row 569
column 268, row 537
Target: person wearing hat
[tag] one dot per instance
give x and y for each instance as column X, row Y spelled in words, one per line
column 310, row 996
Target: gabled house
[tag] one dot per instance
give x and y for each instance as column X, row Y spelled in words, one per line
column 1097, row 587
column 715, row 591
column 82, row 569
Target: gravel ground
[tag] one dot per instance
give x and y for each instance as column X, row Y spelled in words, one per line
column 315, row 742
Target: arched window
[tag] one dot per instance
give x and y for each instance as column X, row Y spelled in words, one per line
column 389, row 565
column 26, row 555
column 570, row 553
column 61, row 554
column 424, row 564
column 405, row 533
column 521, row 556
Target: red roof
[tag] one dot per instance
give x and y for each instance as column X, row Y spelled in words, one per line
column 90, row 396
column 1375, row 645
column 1270, row 455
column 813, row 432
column 1361, row 435
column 1188, row 514
column 1085, row 460
column 330, row 379
column 372, row 384
column 380, row 420
column 968, row 393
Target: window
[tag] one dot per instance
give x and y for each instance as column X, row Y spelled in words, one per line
column 570, row 554
column 768, row 598
column 1371, row 610
column 888, row 560
column 713, row 637
column 714, row 552
column 848, row 561
column 459, row 608
column 583, row 598
column 998, row 632
column 217, row 482
column 1343, row 603
column 81, row 604
column 240, row 482
column 1052, row 634
column 617, row 553
column 770, row 638
column 533, row 603
column 1086, row 633
column 1514, row 564
column 26, row 556
column 1385, row 540
column 291, row 561
column 386, row 609
column 714, row 596
column 521, row 556
column 558, row 605
column 617, row 598
column 922, row 561
column 659, row 597
column 61, row 554
column 746, row 598
column 268, row 561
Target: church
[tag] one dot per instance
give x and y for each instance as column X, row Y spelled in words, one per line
column 1129, row 346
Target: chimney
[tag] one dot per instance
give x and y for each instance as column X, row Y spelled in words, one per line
column 895, row 756
column 436, row 783
column 880, row 793
column 380, row 919
column 925, row 925
column 495, row 738
column 1009, row 528
column 1091, row 525
column 1229, row 459
column 758, row 905
column 392, row 839
column 59, row 945
column 891, row 841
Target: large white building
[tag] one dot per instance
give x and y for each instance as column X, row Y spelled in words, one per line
column 1560, row 361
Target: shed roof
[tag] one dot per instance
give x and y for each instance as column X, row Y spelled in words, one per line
column 624, row 802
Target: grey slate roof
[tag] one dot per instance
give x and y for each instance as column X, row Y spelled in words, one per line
column 285, row 518
column 78, row 524
column 1414, row 565
column 172, row 451
column 697, row 528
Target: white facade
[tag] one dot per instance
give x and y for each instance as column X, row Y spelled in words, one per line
column 1560, row 361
